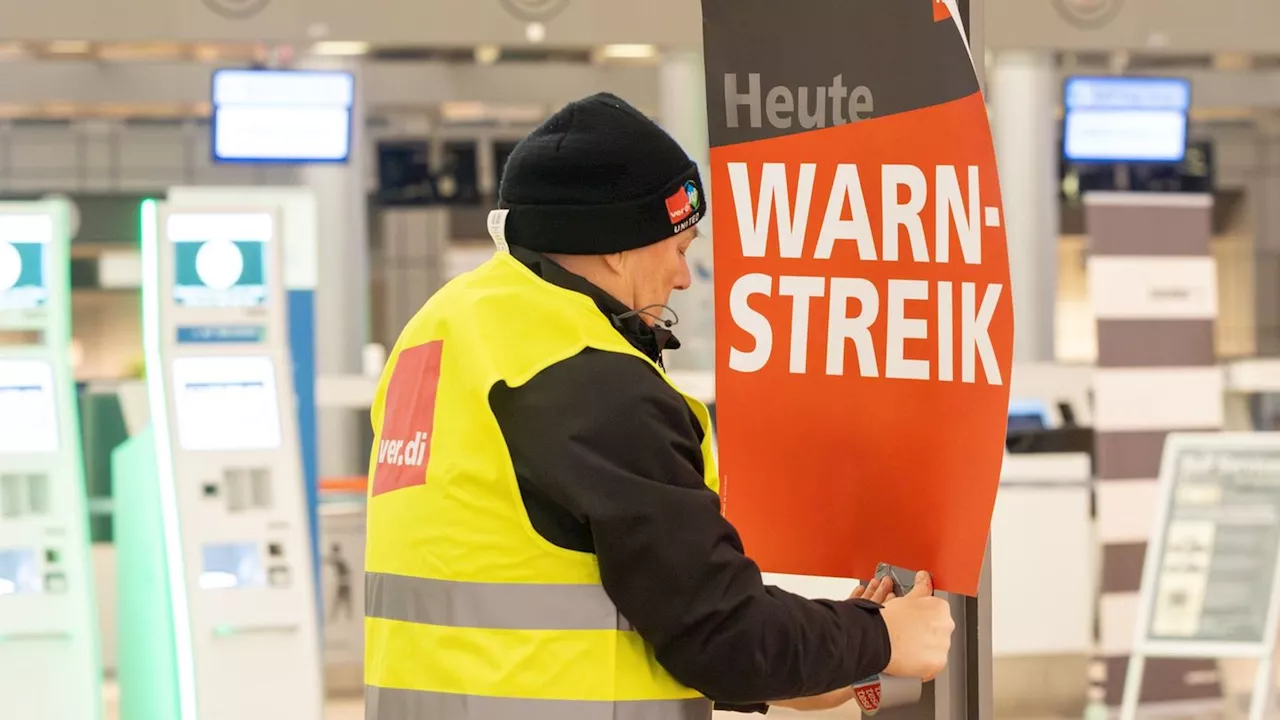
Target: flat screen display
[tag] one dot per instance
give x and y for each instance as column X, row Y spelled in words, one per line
column 28, row 408
column 226, row 403
column 19, row 572
column 220, row 259
column 1026, row 415
column 294, row 116
column 231, row 565
column 24, row 248
column 1125, row 119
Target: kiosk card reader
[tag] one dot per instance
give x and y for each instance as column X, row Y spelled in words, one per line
column 49, row 661
column 217, row 590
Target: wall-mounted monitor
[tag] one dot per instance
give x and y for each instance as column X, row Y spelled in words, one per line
column 1125, row 119
column 282, row 116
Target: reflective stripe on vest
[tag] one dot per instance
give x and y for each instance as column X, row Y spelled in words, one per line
column 499, row 606
column 385, row 704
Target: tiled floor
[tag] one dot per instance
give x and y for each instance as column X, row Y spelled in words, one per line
column 335, row 708
column 352, row 708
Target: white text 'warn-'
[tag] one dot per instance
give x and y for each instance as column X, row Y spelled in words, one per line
column 914, row 309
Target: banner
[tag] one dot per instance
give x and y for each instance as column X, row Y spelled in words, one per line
column 864, row 317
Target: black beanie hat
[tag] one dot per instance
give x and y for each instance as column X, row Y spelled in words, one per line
column 597, row 177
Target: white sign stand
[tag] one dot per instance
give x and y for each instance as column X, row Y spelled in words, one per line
column 1211, row 580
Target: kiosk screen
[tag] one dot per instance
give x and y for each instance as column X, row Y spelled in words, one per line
column 24, row 243
column 226, row 403
column 19, row 572
column 231, row 565
column 28, row 408
column 219, row 259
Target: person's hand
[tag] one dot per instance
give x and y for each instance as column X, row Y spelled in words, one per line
column 920, row 628
column 879, row 590
column 829, row 701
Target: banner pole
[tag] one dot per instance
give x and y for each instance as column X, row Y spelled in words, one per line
column 970, row 665
column 967, row 694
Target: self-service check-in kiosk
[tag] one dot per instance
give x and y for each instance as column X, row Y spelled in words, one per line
column 217, row 596
column 299, row 238
column 49, row 662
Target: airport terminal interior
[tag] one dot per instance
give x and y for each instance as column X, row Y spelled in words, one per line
column 216, row 216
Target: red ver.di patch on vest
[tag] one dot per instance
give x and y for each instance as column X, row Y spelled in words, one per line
column 864, row 318
column 404, row 445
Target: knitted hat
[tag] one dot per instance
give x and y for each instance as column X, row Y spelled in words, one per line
column 597, row 177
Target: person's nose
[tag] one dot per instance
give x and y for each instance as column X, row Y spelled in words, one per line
column 684, row 279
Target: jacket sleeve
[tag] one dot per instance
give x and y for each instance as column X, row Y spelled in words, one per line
column 604, row 436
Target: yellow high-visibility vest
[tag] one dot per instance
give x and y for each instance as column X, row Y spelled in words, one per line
column 470, row 613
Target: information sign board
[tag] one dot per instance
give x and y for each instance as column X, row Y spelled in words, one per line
column 1209, row 586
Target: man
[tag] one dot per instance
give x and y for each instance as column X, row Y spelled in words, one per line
column 545, row 537
column 341, row 581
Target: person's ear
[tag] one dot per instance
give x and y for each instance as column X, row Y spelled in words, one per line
column 616, row 262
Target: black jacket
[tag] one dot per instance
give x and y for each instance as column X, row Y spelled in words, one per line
column 607, row 458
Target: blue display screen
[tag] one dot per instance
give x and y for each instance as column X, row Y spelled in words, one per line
column 220, row 259
column 282, row 116
column 220, row 273
column 23, row 275
column 1125, row 119
column 1028, row 415
column 231, row 565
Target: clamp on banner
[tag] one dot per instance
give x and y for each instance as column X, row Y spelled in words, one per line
column 883, row 691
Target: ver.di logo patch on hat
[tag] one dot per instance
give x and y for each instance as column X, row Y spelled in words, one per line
column 679, row 206
column 683, row 205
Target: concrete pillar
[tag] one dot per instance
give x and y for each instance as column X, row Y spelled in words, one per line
column 682, row 111
column 342, row 292
column 1150, row 349
column 1023, row 92
column 1264, row 189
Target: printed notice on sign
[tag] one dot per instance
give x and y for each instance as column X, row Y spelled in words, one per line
column 864, row 319
column 1217, row 559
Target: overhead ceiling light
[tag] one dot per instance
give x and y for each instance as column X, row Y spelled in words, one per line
column 340, row 48
column 458, row 111
column 1119, row 63
column 58, row 110
column 626, row 51
column 139, row 51
column 1232, row 61
column 518, row 114
column 535, row 32
column 488, row 54
column 206, row 53
column 68, row 47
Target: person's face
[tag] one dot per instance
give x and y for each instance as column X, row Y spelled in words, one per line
column 655, row 271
